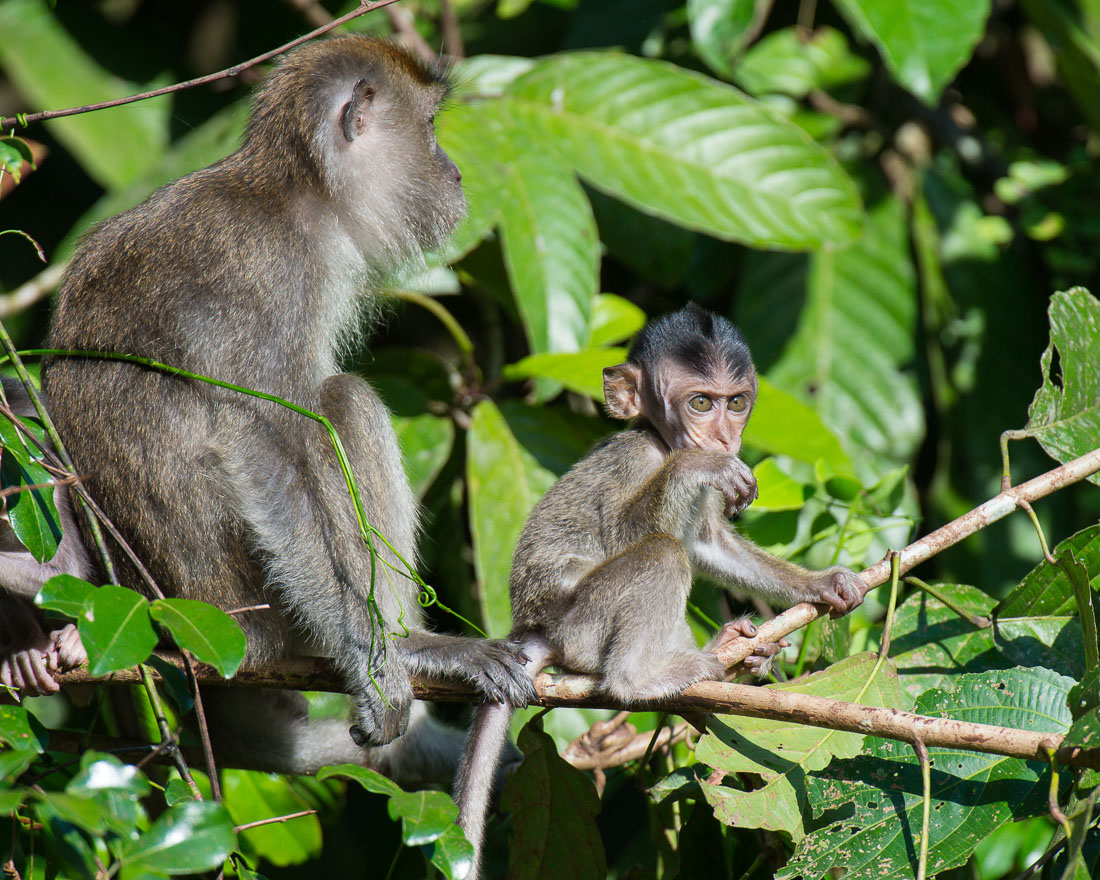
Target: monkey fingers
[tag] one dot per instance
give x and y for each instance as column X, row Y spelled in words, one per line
column 496, row 668
column 738, row 485
column 68, row 649
column 840, row 589
column 382, row 710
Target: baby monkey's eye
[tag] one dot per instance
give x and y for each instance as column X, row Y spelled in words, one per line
column 701, row 403
column 738, row 403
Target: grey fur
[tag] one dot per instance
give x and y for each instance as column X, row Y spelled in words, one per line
column 251, row 271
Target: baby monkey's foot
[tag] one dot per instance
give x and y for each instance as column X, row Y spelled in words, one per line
column 759, row 662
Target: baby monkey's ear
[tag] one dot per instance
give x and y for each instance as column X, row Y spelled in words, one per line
column 622, row 391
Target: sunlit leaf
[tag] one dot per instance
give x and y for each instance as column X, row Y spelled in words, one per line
column 691, row 150
column 116, row 631
column 31, row 512
column 207, row 632
column 190, row 837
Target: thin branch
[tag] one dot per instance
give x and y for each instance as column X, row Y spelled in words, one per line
column 237, row 829
column 34, row 487
column 24, row 119
column 996, row 508
column 39, row 287
column 453, row 44
column 319, row 674
column 403, row 22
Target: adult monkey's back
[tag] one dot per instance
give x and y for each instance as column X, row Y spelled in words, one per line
column 254, row 271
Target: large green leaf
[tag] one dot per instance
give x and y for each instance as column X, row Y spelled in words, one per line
column 116, row 631
column 854, row 336
column 781, row 424
column 31, row 512
column 1065, row 416
column 551, row 246
column 20, row 730
column 690, row 150
column 191, row 837
column 579, row 371
column 924, row 42
column 932, row 644
column 50, row 68
column 553, row 807
column 877, row 796
column 207, row 632
column 781, row 753
column 504, row 481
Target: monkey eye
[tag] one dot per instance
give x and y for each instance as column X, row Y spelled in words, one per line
column 738, row 403
column 700, row 403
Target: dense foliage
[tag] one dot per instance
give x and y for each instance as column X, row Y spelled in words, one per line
column 884, row 194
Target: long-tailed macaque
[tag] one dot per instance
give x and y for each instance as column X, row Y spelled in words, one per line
column 31, row 650
column 253, row 271
column 603, row 568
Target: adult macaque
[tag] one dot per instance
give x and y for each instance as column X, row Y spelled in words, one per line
column 31, row 650
column 253, row 272
column 603, row 568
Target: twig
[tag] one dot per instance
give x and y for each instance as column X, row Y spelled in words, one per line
column 39, row 287
column 319, row 674
column 979, row 620
column 167, row 738
column 33, row 487
column 237, row 829
column 453, row 44
column 995, row 508
column 405, row 25
column 27, row 118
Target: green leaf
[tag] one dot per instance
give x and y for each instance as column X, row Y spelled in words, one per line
column 425, row 815
column 116, row 630
column 854, row 336
column 21, row 730
column 720, row 29
column 691, row 150
column 1045, row 591
column 1085, row 732
column 580, row 372
column 13, row 153
column 426, row 443
column 924, row 42
column 614, row 319
column 82, row 812
column 873, row 803
column 548, row 232
column 190, row 837
column 781, row 753
column 371, row 780
column 51, row 70
column 932, row 645
column 554, row 808
column 452, row 853
column 15, row 761
column 504, row 483
column 778, row 491
column 32, row 513
column 1065, row 416
column 177, row 790
column 250, row 796
column 116, row 789
column 207, row 632
column 781, row 424
column 485, row 76
column 461, row 133
column 786, row 63
column 66, row 594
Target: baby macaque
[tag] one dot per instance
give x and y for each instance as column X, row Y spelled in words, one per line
column 603, row 568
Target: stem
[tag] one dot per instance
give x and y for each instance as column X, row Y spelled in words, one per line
column 888, row 623
column 62, row 452
column 980, row 621
column 926, row 806
column 167, row 738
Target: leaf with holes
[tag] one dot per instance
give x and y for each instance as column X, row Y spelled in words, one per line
column 874, row 801
column 691, row 150
column 781, row 753
column 1065, row 416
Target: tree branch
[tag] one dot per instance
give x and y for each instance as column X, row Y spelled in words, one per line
column 318, row 674
column 966, row 525
column 27, row 118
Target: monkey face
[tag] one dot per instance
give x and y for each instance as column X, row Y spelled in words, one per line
column 691, row 410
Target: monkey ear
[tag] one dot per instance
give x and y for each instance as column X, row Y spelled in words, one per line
column 353, row 118
column 622, row 391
